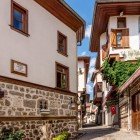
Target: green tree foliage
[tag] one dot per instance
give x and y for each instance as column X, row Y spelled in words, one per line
column 119, row 72
column 9, row 135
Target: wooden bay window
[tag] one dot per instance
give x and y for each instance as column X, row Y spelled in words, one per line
column 62, row 76
column 62, row 44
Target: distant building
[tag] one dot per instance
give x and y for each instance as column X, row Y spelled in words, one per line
column 116, row 37
column 83, row 97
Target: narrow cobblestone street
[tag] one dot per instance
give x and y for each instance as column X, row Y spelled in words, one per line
column 105, row 133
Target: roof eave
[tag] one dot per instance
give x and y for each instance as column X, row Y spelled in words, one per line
column 100, row 11
column 66, row 14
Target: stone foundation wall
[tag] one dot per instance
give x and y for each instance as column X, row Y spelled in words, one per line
column 32, row 128
column 24, row 102
column 124, row 115
column 124, row 123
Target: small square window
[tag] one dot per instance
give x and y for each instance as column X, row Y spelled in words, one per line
column 62, row 74
column 121, row 22
column 62, row 44
column 19, row 18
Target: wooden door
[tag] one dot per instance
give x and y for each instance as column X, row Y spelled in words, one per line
column 136, row 112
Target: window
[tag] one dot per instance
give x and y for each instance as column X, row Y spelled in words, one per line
column 62, row 44
column 19, row 18
column 121, row 23
column 113, row 58
column 62, row 76
column 120, row 38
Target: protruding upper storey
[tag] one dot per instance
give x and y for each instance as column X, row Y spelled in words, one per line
column 104, row 9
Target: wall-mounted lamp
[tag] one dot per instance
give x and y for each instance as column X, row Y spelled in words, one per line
column 1, row 93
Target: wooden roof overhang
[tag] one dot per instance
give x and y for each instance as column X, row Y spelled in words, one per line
column 135, row 75
column 105, row 9
column 66, row 14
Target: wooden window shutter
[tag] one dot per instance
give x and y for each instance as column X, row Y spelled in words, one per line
column 104, row 51
column 125, row 38
column 113, row 38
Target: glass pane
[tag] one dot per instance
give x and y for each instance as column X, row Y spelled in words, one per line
column 64, row 82
column 62, row 43
column 17, row 19
column 119, row 38
column 18, row 15
column 58, row 79
column 61, row 48
column 121, row 24
column 17, row 25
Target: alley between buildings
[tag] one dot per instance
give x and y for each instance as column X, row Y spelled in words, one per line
column 106, row 133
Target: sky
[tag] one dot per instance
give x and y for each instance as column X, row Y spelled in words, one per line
column 85, row 9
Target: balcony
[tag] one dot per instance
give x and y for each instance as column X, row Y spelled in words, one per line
column 98, row 93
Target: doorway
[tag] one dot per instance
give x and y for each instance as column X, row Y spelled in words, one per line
column 136, row 112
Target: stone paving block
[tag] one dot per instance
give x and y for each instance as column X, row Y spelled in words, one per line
column 106, row 133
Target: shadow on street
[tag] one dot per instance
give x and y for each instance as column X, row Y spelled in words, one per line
column 93, row 131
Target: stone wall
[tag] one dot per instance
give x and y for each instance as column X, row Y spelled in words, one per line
column 20, row 109
column 124, row 123
column 32, row 128
column 123, row 112
column 24, row 101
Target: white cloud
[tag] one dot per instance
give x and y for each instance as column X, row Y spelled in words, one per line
column 83, row 53
column 88, row 31
column 91, row 69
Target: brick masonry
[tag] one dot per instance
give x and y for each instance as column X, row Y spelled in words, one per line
column 22, row 101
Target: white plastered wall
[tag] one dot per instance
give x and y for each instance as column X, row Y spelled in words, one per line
column 133, row 25
column 39, row 50
column 81, row 77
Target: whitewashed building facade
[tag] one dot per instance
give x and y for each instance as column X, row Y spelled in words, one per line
column 116, row 36
column 38, row 76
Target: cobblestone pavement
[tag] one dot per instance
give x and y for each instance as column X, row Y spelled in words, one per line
column 106, row 133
